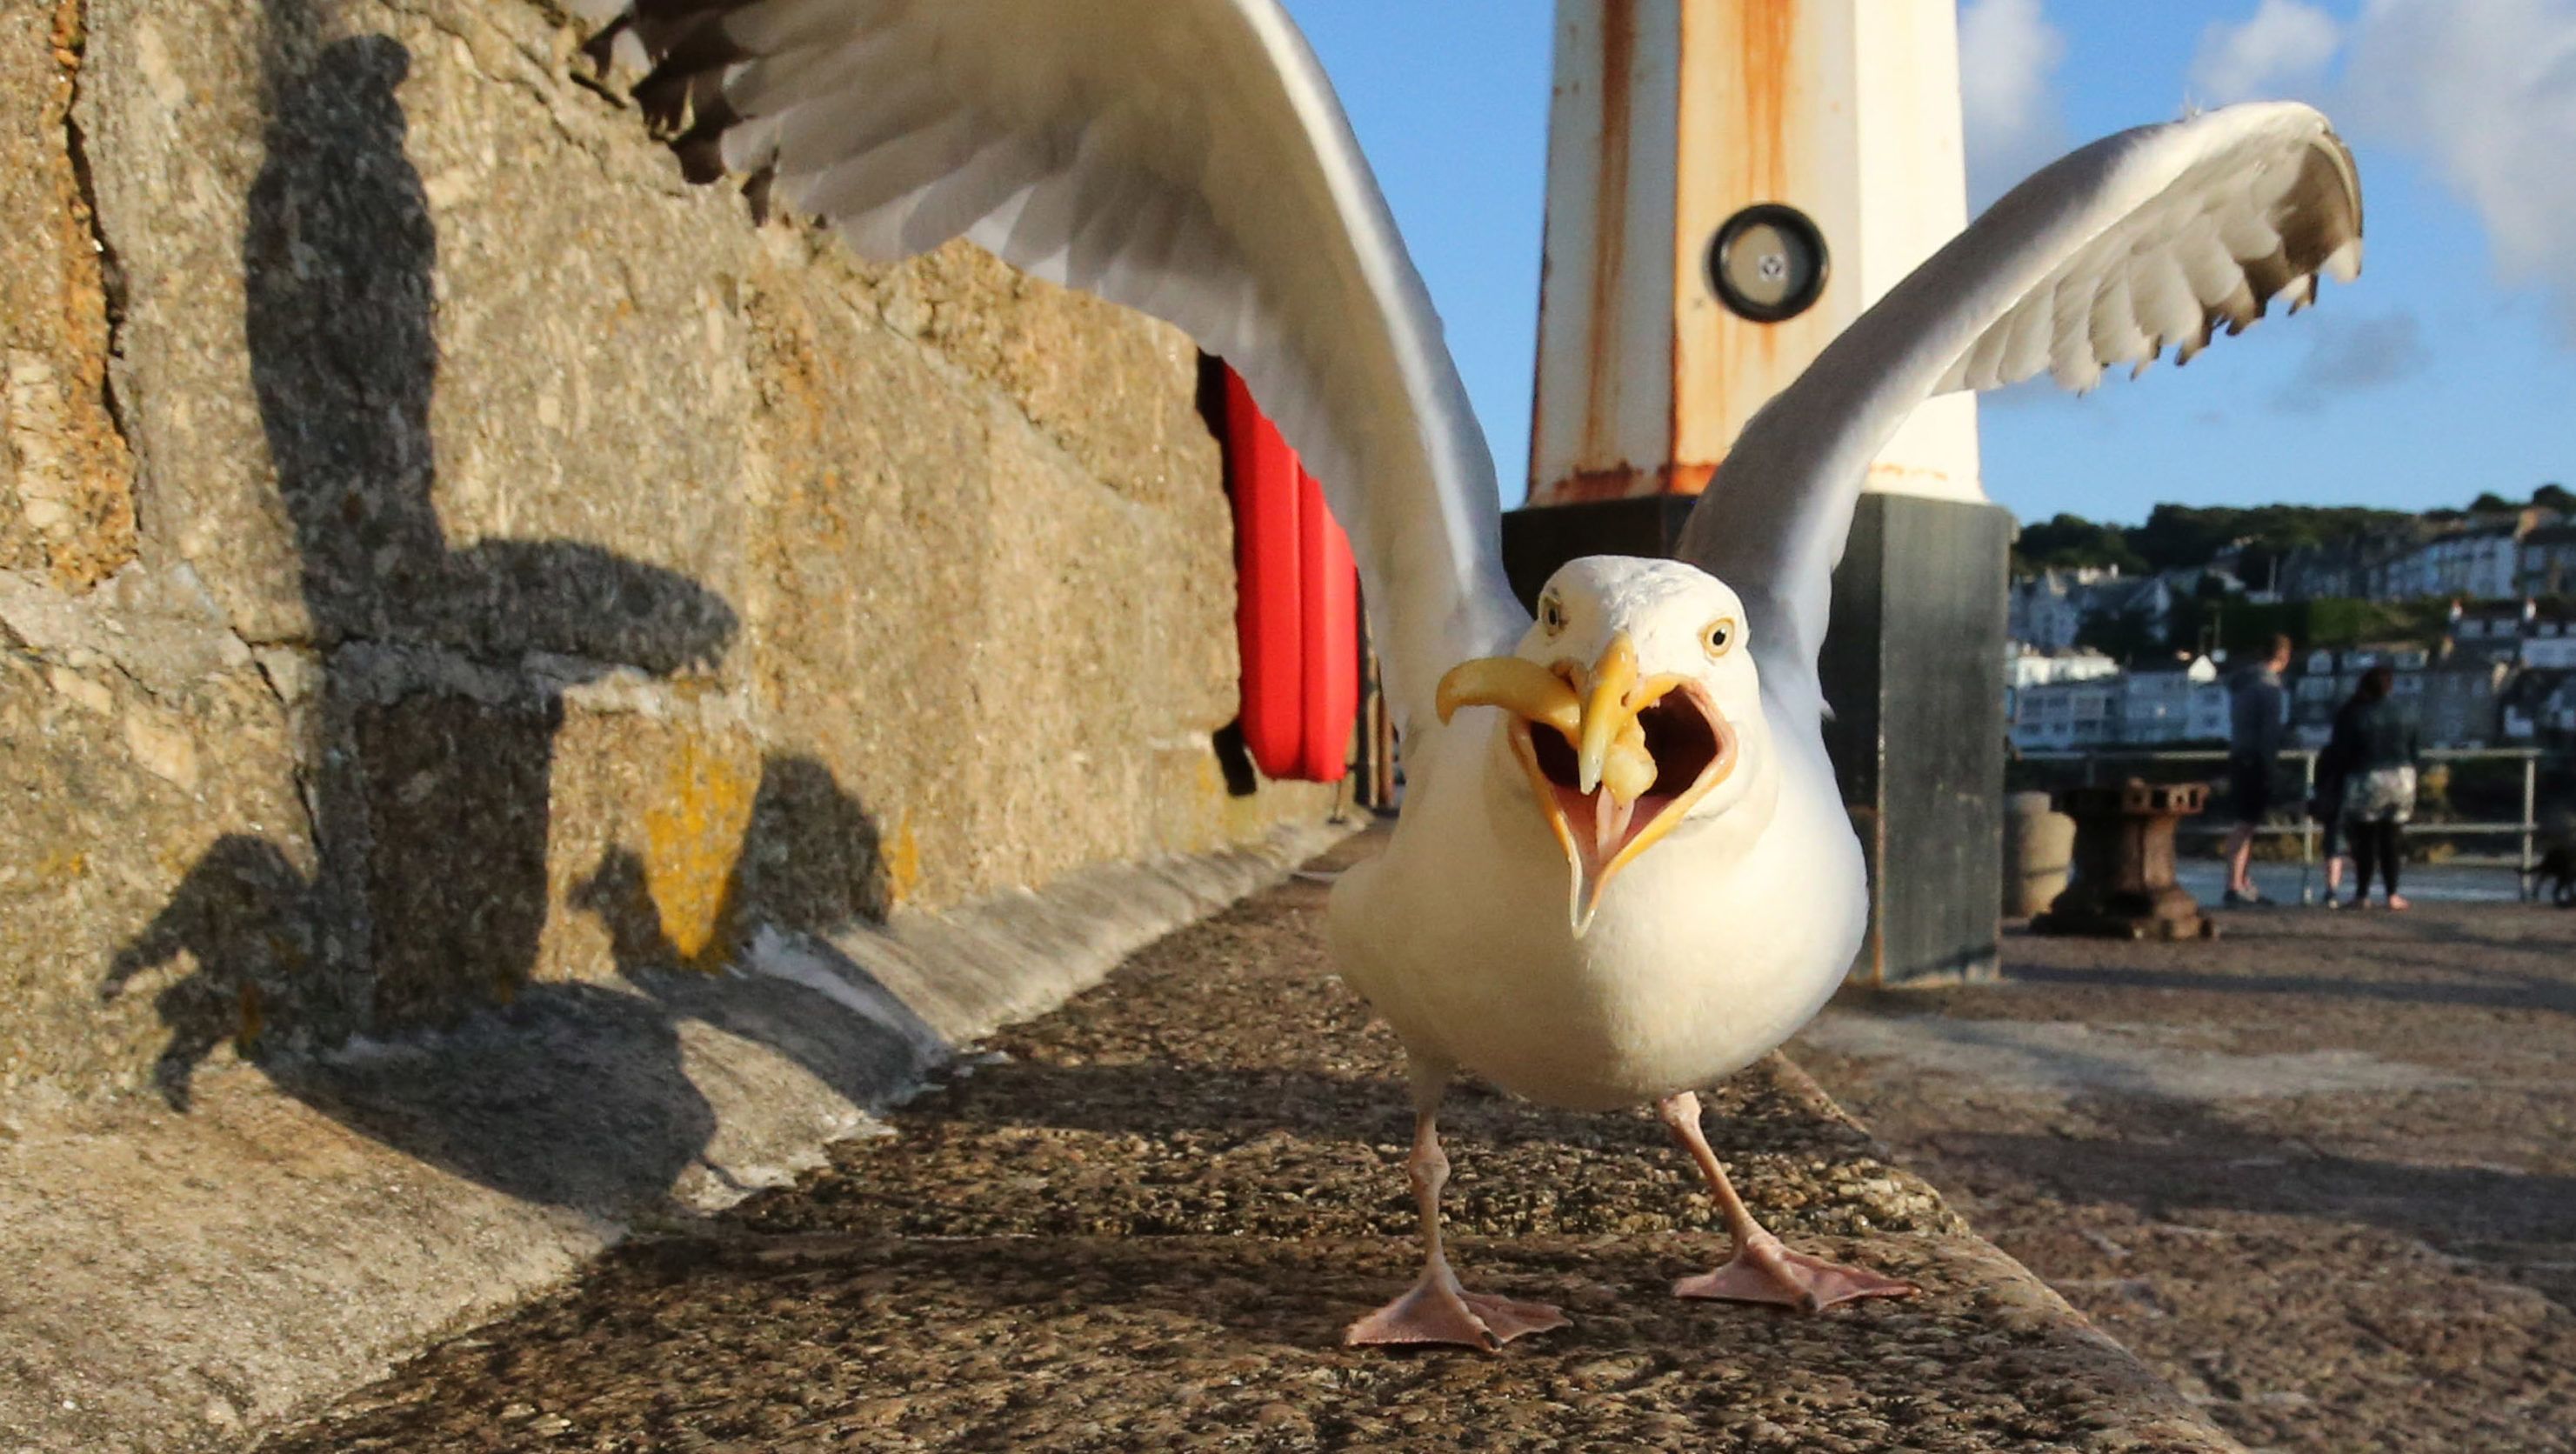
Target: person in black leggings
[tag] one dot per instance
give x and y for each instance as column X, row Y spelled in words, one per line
column 2378, row 843
column 2375, row 747
column 2326, row 807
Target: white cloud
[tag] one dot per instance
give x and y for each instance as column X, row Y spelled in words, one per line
column 2008, row 53
column 2485, row 94
column 2491, row 103
column 2282, row 51
column 2348, row 353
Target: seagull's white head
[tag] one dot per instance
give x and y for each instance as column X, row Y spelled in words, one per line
column 1633, row 707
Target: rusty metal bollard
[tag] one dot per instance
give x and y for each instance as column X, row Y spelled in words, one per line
column 2124, row 865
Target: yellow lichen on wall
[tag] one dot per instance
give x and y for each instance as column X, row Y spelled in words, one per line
column 902, row 862
column 693, row 835
column 66, row 499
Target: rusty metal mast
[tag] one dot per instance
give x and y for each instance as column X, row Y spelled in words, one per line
column 1671, row 119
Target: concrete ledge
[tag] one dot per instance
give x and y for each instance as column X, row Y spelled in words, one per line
column 1144, row 1220
column 178, row 1279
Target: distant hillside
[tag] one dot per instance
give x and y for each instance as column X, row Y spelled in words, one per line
column 2182, row 537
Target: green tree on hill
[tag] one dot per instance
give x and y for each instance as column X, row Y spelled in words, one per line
column 2068, row 541
column 2185, row 536
column 2238, row 626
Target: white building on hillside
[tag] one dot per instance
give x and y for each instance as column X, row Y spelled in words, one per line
column 2046, row 696
column 2065, row 714
column 2548, row 561
column 2173, row 705
column 2550, row 653
column 2482, row 561
column 2025, row 668
column 2070, row 701
column 2045, row 611
column 2540, row 705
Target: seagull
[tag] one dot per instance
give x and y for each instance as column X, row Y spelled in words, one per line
column 1622, row 870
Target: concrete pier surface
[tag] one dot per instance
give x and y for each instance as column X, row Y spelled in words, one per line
column 1142, row 1221
column 2319, row 1173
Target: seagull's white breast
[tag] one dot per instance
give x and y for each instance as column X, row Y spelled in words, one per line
column 1715, row 945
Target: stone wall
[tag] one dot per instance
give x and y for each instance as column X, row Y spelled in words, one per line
column 442, row 553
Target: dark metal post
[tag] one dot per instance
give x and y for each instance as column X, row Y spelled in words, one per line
column 1918, row 730
column 2525, row 884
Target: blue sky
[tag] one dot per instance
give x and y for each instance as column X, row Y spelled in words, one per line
column 2449, row 369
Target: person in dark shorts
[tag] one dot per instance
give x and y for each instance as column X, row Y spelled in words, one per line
column 2255, row 733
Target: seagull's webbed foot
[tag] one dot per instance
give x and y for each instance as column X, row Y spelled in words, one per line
column 1764, row 1271
column 1437, row 1310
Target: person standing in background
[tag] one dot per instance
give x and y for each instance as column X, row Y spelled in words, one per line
column 2255, row 731
column 2325, row 807
column 2376, row 743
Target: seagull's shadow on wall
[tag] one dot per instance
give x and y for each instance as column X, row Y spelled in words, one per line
column 429, row 746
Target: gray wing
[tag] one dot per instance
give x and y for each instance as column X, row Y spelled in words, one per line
column 2159, row 237
column 1187, row 158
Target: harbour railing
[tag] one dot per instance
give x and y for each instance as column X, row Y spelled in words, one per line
column 2523, row 834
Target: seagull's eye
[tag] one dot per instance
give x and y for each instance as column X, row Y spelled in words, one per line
column 1720, row 636
column 1551, row 614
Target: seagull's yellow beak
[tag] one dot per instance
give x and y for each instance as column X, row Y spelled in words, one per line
column 1525, row 689
column 1611, row 742
column 1617, row 743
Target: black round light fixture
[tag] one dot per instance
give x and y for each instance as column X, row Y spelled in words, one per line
column 1768, row 263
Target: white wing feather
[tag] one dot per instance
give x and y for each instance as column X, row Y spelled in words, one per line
column 1184, row 157
column 2150, row 239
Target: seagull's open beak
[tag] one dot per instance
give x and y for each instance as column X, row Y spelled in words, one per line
column 1623, row 760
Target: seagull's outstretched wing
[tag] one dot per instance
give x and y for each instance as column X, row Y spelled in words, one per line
column 2154, row 237
column 1183, row 157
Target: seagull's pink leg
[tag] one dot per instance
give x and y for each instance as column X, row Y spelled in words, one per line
column 1436, row 1309
column 1762, row 1270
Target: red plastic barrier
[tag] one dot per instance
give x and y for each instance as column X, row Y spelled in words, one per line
column 1270, row 600
column 1297, row 614
column 1332, row 636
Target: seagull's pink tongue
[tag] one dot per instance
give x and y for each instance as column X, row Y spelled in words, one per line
column 1609, row 824
column 1613, row 824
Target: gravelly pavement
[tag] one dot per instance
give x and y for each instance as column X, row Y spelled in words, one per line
column 2319, row 1173
column 1142, row 1223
